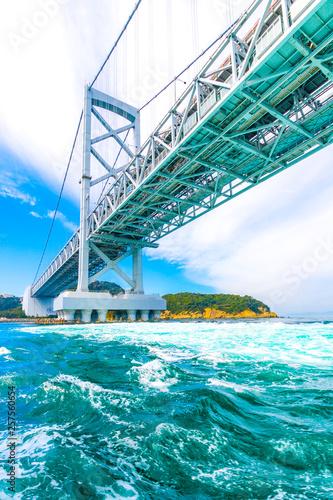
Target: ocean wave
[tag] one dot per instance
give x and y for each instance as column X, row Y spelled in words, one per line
column 121, row 490
column 224, row 383
column 173, row 411
column 4, row 350
column 78, row 396
column 154, row 375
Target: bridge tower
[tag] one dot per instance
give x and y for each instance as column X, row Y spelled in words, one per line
column 134, row 302
column 100, row 246
column 94, row 99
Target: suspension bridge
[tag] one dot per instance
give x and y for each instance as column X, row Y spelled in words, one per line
column 261, row 103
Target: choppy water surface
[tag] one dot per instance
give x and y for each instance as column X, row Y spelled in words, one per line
column 231, row 410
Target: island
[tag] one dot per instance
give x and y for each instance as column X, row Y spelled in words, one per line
column 214, row 306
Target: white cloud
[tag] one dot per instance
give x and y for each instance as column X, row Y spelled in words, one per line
column 35, row 214
column 252, row 244
column 13, row 192
column 44, row 83
column 71, row 226
column 49, row 57
column 63, row 219
column 11, row 186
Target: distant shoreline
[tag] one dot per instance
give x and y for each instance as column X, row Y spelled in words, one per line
column 45, row 321
column 287, row 319
column 18, row 320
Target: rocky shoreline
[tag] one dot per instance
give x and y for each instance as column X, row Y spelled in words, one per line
column 211, row 313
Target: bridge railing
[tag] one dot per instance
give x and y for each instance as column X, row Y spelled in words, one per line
column 64, row 255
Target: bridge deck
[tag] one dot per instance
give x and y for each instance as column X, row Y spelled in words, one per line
column 265, row 107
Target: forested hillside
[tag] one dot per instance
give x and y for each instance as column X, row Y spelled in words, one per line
column 198, row 302
column 10, row 307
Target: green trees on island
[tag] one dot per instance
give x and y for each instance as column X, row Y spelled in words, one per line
column 105, row 286
column 10, row 307
column 231, row 304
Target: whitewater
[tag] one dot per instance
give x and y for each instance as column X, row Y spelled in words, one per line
column 169, row 410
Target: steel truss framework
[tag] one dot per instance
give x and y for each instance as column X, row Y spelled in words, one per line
column 246, row 117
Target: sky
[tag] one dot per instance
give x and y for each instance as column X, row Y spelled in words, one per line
column 274, row 242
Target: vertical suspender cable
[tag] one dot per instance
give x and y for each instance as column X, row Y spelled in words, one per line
column 151, row 56
column 116, row 42
column 60, row 194
column 137, row 60
column 169, row 38
column 124, row 96
column 195, row 30
column 190, row 65
column 77, row 132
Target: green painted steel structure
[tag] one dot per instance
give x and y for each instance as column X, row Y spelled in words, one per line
column 262, row 103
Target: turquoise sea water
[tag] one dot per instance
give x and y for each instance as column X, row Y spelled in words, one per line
column 229, row 410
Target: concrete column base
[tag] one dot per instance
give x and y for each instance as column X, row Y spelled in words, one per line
column 157, row 314
column 68, row 314
column 86, row 315
column 131, row 314
column 145, row 315
column 102, row 315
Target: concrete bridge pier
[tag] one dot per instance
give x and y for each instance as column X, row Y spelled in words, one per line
column 131, row 314
column 86, row 315
column 145, row 315
column 157, row 314
column 37, row 306
column 102, row 315
column 68, row 314
column 68, row 302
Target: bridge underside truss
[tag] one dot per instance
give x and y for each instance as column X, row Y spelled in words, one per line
column 246, row 117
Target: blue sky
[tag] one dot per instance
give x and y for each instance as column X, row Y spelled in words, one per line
column 273, row 243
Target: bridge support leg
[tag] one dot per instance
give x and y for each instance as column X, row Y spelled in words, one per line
column 85, row 195
column 102, row 315
column 37, row 306
column 145, row 315
column 131, row 314
column 86, row 315
column 137, row 270
column 157, row 314
column 68, row 314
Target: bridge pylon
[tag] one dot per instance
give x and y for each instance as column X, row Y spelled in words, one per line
column 93, row 246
